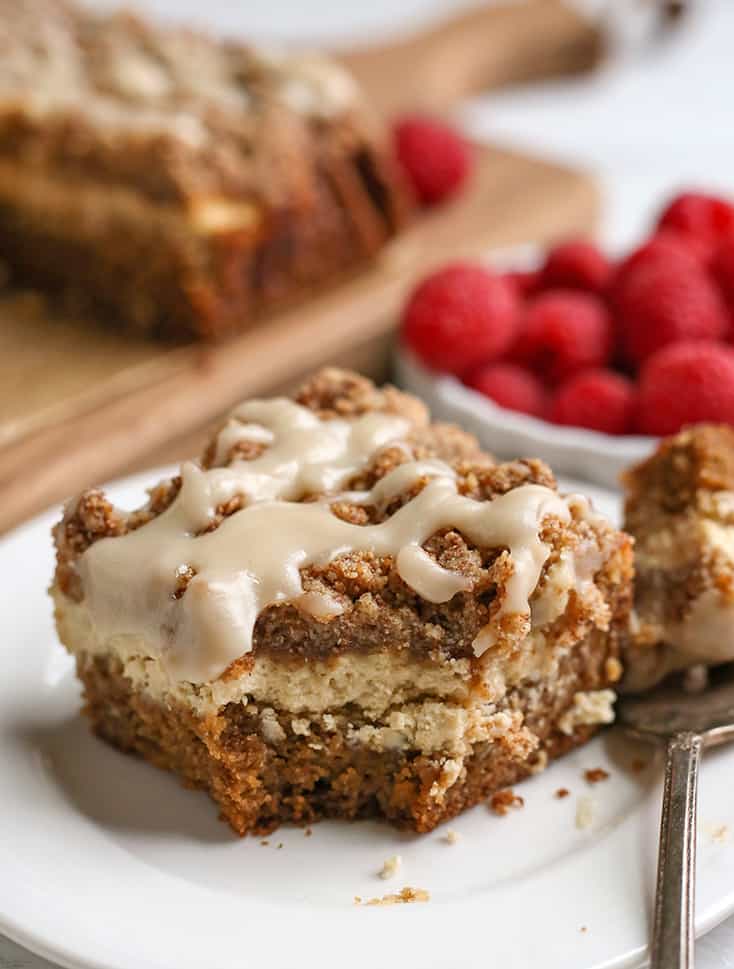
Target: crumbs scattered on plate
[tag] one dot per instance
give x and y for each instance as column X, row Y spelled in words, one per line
column 403, row 897
column 451, row 837
column 562, row 792
column 595, row 774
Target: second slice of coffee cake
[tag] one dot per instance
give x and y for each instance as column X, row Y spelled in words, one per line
column 345, row 611
column 680, row 509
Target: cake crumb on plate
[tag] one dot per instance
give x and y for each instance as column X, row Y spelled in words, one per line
column 391, row 866
column 562, row 792
column 501, row 801
column 595, row 774
column 719, row 833
column 451, row 837
column 584, row 812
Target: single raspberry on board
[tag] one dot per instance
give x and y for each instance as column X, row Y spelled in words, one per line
column 435, row 156
column 598, row 399
column 562, row 332
column 460, row 317
column 660, row 303
column 510, row 386
column 707, row 218
column 576, row 264
column 684, row 384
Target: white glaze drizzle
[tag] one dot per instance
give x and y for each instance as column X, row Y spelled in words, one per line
column 254, row 558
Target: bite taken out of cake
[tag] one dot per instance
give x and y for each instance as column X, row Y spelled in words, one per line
column 345, row 611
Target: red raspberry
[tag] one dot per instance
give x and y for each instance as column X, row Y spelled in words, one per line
column 665, row 247
column 576, row 264
column 599, row 399
column 562, row 332
column 459, row 317
column 722, row 269
column 435, row 156
column 511, row 387
column 525, row 283
column 706, row 218
column 684, row 384
column 661, row 303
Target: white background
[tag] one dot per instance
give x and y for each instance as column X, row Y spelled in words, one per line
column 654, row 119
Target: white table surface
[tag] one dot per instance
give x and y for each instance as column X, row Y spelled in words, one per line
column 648, row 123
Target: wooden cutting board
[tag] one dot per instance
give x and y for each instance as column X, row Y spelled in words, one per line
column 488, row 46
column 79, row 404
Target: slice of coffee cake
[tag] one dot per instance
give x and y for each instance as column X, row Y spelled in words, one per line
column 680, row 509
column 345, row 611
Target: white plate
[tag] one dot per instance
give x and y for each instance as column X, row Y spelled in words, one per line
column 106, row 862
column 587, row 454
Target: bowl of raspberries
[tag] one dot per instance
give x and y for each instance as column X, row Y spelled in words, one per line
column 579, row 357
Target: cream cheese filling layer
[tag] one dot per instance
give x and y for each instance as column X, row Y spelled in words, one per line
column 371, row 681
column 254, row 558
column 430, row 708
column 374, row 683
column 435, row 709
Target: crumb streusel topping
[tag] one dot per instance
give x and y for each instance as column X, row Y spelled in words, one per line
column 206, row 588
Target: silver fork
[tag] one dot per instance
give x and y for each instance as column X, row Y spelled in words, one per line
column 687, row 722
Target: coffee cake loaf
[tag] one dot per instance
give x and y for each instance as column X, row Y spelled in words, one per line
column 176, row 183
column 680, row 509
column 344, row 611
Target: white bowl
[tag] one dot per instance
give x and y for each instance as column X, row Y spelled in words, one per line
column 572, row 451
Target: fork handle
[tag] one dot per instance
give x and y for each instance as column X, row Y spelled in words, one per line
column 673, row 938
